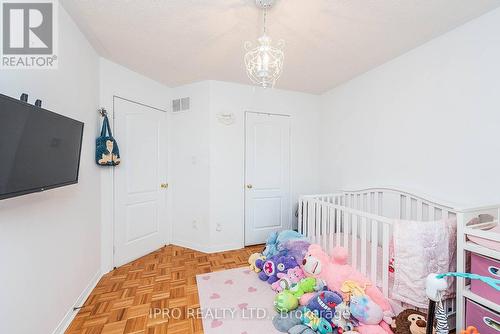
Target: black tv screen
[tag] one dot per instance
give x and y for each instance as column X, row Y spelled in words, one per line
column 39, row 149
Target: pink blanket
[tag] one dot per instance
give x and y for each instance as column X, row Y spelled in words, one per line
column 422, row 248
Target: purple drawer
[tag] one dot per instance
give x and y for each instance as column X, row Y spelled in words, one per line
column 485, row 320
column 485, row 266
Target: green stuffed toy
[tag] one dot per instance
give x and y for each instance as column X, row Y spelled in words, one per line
column 285, row 301
column 302, row 321
column 315, row 322
column 306, row 285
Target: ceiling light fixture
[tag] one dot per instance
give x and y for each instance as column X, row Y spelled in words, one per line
column 264, row 63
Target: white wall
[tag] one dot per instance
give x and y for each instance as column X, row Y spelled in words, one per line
column 428, row 120
column 227, row 152
column 118, row 81
column 50, row 241
column 207, row 161
column 190, row 168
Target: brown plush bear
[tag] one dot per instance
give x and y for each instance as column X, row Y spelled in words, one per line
column 409, row 322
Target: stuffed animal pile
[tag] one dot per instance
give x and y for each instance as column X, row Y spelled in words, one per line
column 316, row 293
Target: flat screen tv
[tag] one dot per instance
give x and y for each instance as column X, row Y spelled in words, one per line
column 39, row 149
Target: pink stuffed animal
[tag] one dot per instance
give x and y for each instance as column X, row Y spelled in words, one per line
column 286, row 281
column 293, row 275
column 336, row 271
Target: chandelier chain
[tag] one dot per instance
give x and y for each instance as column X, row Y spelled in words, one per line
column 265, row 21
column 263, row 61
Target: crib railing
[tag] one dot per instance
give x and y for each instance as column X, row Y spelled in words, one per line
column 362, row 222
column 325, row 220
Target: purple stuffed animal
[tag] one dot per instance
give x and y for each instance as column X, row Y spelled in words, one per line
column 297, row 248
column 273, row 266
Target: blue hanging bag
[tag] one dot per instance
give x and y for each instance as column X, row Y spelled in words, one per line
column 106, row 148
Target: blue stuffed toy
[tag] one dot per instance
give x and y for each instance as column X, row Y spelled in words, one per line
column 271, row 267
column 323, row 304
column 275, row 243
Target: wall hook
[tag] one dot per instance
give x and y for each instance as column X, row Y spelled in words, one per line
column 102, row 112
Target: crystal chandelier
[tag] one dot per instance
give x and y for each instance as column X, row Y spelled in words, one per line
column 264, row 62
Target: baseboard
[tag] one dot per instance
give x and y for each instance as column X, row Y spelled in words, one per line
column 224, row 248
column 70, row 315
column 204, row 248
column 190, row 245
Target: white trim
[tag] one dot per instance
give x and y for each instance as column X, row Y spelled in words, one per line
column 167, row 240
column 190, row 245
column 245, row 194
column 207, row 249
column 405, row 191
column 70, row 315
column 107, row 191
column 224, row 247
column 118, row 81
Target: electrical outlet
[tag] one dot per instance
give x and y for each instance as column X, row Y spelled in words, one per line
column 218, row 228
column 194, row 224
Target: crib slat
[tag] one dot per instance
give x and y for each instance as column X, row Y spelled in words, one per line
column 324, row 222
column 337, row 228
column 420, row 208
column 314, row 208
column 363, row 245
column 354, row 240
column 374, row 250
column 299, row 218
column 408, row 215
column 345, row 230
column 432, row 213
column 317, row 221
column 308, row 219
column 331, row 230
column 380, row 211
column 385, row 260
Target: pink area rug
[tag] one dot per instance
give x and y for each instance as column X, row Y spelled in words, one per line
column 236, row 302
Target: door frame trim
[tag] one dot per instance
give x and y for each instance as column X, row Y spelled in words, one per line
column 108, row 195
column 245, row 169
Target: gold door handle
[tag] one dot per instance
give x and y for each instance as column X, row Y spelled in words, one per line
column 164, row 185
column 249, row 186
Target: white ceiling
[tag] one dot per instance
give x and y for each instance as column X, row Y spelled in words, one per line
column 327, row 41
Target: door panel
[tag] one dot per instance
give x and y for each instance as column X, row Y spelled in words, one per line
column 140, row 224
column 142, row 221
column 267, row 175
column 144, row 131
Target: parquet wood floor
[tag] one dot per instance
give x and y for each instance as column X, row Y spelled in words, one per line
column 125, row 298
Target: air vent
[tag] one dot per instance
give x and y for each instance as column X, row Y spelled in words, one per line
column 182, row 104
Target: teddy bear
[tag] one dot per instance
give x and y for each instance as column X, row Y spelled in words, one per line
column 293, row 275
column 288, row 279
column 273, row 266
column 409, row 322
column 252, row 259
column 276, row 241
column 335, row 272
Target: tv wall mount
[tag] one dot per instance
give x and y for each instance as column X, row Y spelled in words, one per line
column 24, row 98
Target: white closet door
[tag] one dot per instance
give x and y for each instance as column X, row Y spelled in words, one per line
column 267, row 200
column 140, row 181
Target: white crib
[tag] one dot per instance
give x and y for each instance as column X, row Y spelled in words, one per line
column 362, row 222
